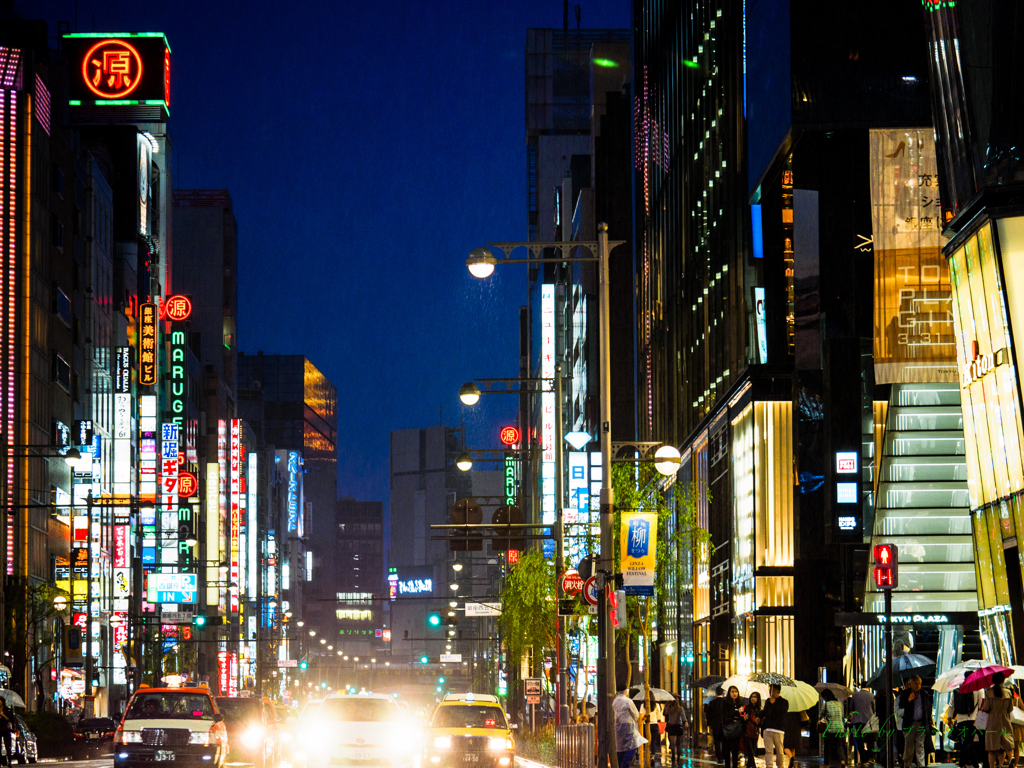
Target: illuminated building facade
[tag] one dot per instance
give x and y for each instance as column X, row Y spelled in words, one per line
column 756, row 282
column 979, row 175
column 358, row 576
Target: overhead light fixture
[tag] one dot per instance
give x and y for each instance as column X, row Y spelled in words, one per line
column 577, row 439
column 667, row 460
column 464, row 462
column 481, row 262
column 457, row 566
column 469, row 393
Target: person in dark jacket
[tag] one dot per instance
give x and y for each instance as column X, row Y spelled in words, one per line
column 751, row 714
column 714, row 716
column 916, row 704
column 732, row 727
column 773, row 726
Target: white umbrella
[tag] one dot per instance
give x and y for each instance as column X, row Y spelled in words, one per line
column 745, row 686
column 12, row 699
column 953, row 678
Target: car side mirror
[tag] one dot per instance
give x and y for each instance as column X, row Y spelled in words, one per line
column 218, row 718
column 514, row 726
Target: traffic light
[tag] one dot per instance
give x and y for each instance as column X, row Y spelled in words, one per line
column 451, row 620
column 207, row 621
column 303, row 665
column 887, row 561
column 440, row 681
column 466, row 512
column 199, row 621
column 424, row 660
column 506, row 538
column 323, row 684
column 433, row 619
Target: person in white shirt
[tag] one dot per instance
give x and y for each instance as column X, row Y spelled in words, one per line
column 627, row 736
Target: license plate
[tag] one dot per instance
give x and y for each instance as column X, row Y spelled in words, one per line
column 360, row 756
column 93, row 735
column 472, row 757
column 163, row 755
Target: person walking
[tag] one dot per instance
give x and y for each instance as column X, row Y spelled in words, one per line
column 714, row 717
column 965, row 735
column 627, row 735
column 834, row 735
column 773, row 726
column 732, row 727
column 674, row 719
column 998, row 733
column 917, row 722
column 751, row 714
column 864, row 724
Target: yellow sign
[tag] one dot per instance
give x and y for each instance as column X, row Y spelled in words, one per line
column 638, row 545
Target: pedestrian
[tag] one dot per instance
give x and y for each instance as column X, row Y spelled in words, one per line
column 6, row 730
column 917, row 722
column 773, row 726
column 674, row 719
column 965, row 735
column 998, row 734
column 732, row 727
column 864, row 724
column 714, row 718
column 627, row 735
column 834, row 734
column 751, row 727
column 1016, row 725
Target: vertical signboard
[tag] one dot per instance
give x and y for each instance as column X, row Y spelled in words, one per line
column 176, row 378
column 294, row 493
column 547, row 405
column 760, row 322
column 212, row 533
column 638, row 545
column 252, row 527
column 914, row 333
column 236, row 446
column 147, row 344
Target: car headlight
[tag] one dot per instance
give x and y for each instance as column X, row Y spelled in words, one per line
column 497, row 744
column 127, row 737
column 199, row 738
column 442, row 742
column 252, row 737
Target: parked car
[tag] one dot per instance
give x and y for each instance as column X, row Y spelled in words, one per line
column 94, row 736
column 252, row 730
column 23, row 743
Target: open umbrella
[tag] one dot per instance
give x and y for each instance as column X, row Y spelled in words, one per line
column 772, row 678
column 745, row 686
column 980, row 679
column 709, row 681
column 841, row 691
column 904, row 667
column 12, row 698
column 658, row 695
column 800, row 696
column 951, row 679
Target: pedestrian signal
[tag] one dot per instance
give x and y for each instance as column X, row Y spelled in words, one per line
column 886, row 571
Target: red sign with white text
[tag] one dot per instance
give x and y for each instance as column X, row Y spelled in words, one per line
column 121, row 546
column 510, row 435
column 572, row 582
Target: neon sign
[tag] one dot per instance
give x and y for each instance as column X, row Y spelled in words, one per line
column 188, row 484
column 415, row 586
column 112, row 69
column 294, row 462
column 510, row 435
column 147, row 342
column 236, row 450
column 176, row 308
column 176, row 369
column 510, row 480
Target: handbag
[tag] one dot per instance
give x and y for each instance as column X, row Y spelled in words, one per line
column 1017, row 716
column 872, row 726
column 732, row 730
column 822, row 725
column 981, row 720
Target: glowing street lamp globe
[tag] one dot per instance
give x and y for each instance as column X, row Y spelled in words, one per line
column 667, row 460
column 481, row 262
column 464, row 462
column 469, row 393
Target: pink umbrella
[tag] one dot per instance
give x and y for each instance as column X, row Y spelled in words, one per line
column 980, row 679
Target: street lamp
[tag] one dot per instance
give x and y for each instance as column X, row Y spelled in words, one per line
column 469, row 393
column 481, row 263
column 667, row 460
column 312, row 633
column 464, row 462
column 456, row 566
column 454, row 586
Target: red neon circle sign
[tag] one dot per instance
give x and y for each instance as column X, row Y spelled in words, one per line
column 510, row 435
column 187, row 484
column 112, row 69
column 177, row 307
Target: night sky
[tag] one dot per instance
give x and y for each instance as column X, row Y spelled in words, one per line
column 367, row 147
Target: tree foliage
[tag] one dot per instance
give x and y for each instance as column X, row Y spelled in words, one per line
column 527, row 621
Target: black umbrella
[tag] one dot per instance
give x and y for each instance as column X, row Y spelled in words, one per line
column 709, row 680
column 904, row 667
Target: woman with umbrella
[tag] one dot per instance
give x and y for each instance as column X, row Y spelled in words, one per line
column 732, row 727
column 998, row 734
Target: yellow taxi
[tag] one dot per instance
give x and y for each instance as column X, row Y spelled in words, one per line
column 468, row 730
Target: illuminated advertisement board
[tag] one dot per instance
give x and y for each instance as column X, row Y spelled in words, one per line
column 913, row 336
column 147, row 344
column 176, row 377
column 294, row 493
column 169, row 494
column 236, row 447
column 253, row 528
column 147, row 448
column 547, row 403
column 109, row 69
column 171, row 587
column 213, row 547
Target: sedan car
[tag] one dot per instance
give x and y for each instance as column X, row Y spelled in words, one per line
column 363, row 729
column 468, row 729
column 23, row 743
column 252, row 727
column 179, row 725
column 93, row 736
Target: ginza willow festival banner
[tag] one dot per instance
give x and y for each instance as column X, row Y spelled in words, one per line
column 639, row 532
column 914, row 335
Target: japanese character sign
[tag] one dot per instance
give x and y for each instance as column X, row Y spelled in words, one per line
column 638, row 543
column 112, row 69
column 176, row 308
column 147, row 344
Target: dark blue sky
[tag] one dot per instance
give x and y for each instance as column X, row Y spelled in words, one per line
column 368, row 146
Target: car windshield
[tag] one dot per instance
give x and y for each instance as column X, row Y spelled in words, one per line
column 359, row 710
column 192, row 706
column 469, row 717
column 239, row 710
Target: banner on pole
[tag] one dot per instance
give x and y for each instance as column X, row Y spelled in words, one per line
column 638, row 546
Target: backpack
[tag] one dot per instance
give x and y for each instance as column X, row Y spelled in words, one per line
column 963, row 703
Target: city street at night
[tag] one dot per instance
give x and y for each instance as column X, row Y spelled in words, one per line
column 541, row 384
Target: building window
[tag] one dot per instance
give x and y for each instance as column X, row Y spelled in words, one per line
column 58, row 234
column 61, row 372
column 62, row 306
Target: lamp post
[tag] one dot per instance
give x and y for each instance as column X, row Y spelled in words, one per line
column 481, row 263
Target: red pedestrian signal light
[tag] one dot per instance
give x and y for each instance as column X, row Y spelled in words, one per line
column 886, row 571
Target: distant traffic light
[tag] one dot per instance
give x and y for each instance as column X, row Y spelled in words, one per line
column 433, row 619
column 439, row 689
column 323, row 684
column 303, row 665
column 207, row 621
column 199, row 621
column 440, row 681
column 466, row 512
column 451, row 621
column 424, row 660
